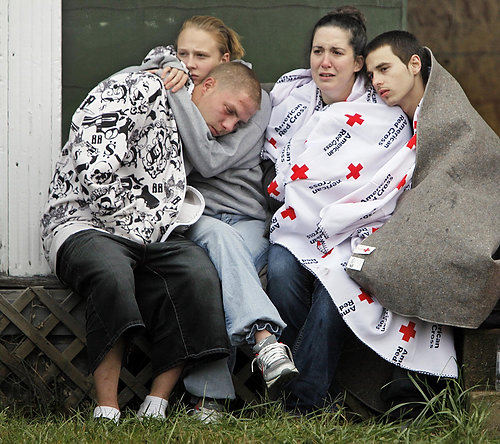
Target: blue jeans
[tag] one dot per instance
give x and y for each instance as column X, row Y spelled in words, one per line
column 315, row 330
column 237, row 247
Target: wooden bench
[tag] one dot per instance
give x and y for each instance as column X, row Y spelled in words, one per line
column 43, row 354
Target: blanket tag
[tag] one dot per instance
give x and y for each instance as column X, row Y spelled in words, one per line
column 363, row 249
column 355, row 263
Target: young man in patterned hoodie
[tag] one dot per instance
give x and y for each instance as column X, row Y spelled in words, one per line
column 118, row 193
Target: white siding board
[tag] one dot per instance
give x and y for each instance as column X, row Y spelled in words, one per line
column 4, row 141
column 34, row 96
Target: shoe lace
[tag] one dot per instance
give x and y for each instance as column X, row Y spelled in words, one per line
column 272, row 353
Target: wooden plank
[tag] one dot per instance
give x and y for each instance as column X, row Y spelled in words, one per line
column 34, row 97
column 20, row 304
column 15, row 365
column 42, row 343
column 53, row 371
column 49, row 281
column 4, row 135
column 26, row 347
column 135, row 384
column 69, row 321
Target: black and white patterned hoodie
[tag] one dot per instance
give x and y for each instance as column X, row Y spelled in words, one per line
column 121, row 170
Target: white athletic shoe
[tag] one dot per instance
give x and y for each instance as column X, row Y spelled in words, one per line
column 275, row 361
column 107, row 413
column 153, row 407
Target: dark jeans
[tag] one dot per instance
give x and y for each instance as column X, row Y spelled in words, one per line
column 315, row 330
column 171, row 288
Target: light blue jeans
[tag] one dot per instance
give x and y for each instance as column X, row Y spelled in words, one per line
column 237, row 247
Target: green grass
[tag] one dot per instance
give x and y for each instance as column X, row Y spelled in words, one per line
column 444, row 419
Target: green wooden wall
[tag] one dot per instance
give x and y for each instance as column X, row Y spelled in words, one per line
column 101, row 37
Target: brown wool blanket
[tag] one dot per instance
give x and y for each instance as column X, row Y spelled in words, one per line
column 433, row 258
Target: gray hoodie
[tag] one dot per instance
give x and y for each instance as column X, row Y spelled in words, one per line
column 226, row 169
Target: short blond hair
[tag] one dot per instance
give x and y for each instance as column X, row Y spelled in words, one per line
column 237, row 76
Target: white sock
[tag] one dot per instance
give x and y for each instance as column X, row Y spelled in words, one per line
column 153, row 407
column 102, row 411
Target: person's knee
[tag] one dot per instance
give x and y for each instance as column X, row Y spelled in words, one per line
column 212, row 231
column 114, row 287
column 200, row 267
column 281, row 265
column 223, row 235
column 203, row 290
column 327, row 312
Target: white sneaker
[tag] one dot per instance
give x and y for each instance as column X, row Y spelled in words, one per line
column 275, row 361
column 209, row 412
column 107, row 413
column 153, row 407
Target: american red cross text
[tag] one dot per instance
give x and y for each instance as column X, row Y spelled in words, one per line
column 408, row 331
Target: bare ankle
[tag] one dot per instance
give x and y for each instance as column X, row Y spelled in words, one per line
column 260, row 335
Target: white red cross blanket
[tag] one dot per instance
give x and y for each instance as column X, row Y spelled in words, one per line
column 340, row 170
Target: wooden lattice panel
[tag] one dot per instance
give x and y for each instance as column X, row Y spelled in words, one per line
column 43, row 356
column 39, row 340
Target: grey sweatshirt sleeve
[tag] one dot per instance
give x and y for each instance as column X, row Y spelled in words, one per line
column 211, row 156
column 208, row 155
column 158, row 58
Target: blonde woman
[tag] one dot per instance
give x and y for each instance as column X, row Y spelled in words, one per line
column 227, row 171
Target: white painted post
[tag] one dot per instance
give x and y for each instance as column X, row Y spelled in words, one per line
column 34, row 120
column 4, row 140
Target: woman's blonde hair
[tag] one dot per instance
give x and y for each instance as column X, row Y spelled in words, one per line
column 227, row 39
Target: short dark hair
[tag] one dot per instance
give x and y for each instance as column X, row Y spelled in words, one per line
column 238, row 76
column 350, row 19
column 403, row 44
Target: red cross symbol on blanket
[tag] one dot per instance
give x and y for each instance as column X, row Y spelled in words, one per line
column 365, row 297
column 299, row 172
column 289, row 212
column 273, row 142
column 354, row 170
column 326, row 254
column 354, row 119
column 402, row 183
column 412, row 142
column 408, row 331
column 273, row 188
